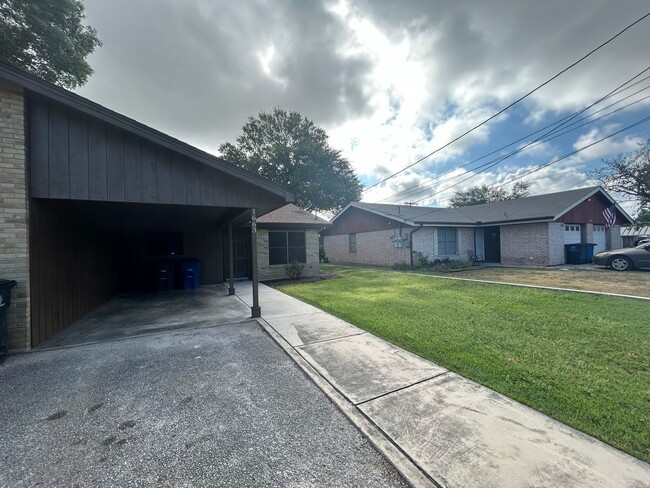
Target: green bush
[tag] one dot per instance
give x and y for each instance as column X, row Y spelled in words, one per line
column 321, row 255
column 294, row 270
column 401, row 266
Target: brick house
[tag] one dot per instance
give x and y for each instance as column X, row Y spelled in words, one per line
column 525, row 231
column 285, row 235
column 90, row 200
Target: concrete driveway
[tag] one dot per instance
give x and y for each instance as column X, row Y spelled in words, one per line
column 211, row 406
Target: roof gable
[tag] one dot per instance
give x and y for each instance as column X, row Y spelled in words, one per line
column 291, row 215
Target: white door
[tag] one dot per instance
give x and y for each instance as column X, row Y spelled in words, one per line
column 599, row 238
column 572, row 234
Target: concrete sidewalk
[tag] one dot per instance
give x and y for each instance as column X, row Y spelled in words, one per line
column 456, row 432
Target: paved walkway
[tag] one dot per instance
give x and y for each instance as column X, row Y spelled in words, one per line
column 455, row 431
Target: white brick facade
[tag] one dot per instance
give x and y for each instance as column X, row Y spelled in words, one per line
column 556, row 243
column 14, row 210
column 278, row 271
column 425, row 241
column 372, row 248
column 525, row 244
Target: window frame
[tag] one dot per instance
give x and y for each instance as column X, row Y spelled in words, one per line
column 445, row 239
column 289, row 257
column 352, row 242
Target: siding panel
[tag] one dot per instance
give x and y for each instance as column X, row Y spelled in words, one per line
column 97, row 164
column 116, row 173
column 132, row 183
column 78, row 158
column 39, row 158
column 59, row 154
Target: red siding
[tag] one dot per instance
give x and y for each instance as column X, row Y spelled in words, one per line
column 356, row 220
column 591, row 211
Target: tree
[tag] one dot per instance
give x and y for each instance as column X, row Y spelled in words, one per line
column 488, row 194
column 291, row 150
column 642, row 219
column 47, row 38
column 628, row 174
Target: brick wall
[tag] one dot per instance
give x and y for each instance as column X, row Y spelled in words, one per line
column 372, row 248
column 556, row 243
column 425, row 241
column 277, row 271
column 525, row 244
column 14, row 238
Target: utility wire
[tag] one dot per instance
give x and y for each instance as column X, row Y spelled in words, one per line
column 541, row 139
column 511, row 104
column 554, row 161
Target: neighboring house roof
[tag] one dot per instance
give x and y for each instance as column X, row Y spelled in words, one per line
column 635, row 231
column 291, row 216
column 538, row 208
column 72, row 100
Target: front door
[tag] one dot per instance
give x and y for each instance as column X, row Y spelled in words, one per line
column 240, row 241
column 492, row 244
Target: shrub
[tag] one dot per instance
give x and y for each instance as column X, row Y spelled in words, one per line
column 321, row 255
column 401, row 266
column 294, row 270
column 421, row 261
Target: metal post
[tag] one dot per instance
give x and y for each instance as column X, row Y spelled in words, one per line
column 231, row 253
column 256, row 311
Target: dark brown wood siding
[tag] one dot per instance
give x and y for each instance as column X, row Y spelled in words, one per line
column 72, row 265
column 591, row 211
column 356, row 220
column 74, row 156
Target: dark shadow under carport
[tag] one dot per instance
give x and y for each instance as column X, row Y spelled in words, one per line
column 135, row 314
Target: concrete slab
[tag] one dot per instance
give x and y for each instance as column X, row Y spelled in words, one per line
column 136, row 314
column 285, row 308
column 363, row 366
column 464, row 434
column 299, row 330
column 222, row 406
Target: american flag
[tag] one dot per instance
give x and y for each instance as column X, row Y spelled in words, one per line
column 610, row 216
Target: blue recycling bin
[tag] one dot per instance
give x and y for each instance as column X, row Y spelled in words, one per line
column 189, row 274
column 589, row 247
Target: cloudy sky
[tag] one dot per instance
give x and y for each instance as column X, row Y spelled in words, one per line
column 390, row 81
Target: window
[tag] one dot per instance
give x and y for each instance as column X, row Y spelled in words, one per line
column 447, row 240
column 286, row 247
column 352, row 242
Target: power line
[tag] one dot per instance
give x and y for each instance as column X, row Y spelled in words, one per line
column 554, row 161
column 540, row 140
column 511, row 104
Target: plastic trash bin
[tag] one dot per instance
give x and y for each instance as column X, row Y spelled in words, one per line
column 163, row 275
column 5, row 301
column 589, row 251
column 575, row 253
column 189, row 274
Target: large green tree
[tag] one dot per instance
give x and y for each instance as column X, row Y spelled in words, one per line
column 488, row 194
column 291, row 150
column 628, row 174
column 48, row 39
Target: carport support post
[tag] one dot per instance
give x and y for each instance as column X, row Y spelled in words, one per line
column 231, row 260
column 256, row 311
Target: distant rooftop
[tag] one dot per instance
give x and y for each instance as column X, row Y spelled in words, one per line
column 291, row 215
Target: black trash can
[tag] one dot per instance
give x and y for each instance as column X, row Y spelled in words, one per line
column 5, row 301
column 575, row 253
column 163, row 275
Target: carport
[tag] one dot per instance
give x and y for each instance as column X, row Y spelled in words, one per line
column 110, row 197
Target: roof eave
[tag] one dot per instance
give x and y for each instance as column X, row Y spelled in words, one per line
column 77, row 102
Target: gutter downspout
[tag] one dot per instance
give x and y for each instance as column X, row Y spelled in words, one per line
column 411, row 238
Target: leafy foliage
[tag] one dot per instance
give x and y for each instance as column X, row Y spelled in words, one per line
column 47, row 38
column 628, row 173
column 488, row 194
column 291, row 150
column 642, row 218
column 294, row 270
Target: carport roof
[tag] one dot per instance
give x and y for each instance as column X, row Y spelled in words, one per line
column 538, row 208
column 53, row 92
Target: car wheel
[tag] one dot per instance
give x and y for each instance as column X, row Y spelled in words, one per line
column 620, row 263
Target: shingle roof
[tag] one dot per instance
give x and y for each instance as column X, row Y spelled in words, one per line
column 291, row 215
column 536, row 208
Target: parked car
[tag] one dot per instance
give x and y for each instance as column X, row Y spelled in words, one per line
column 625, row 259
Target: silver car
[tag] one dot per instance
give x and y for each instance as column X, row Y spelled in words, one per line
column 625, row 259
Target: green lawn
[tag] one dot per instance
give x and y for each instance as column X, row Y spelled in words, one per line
column 582, row 359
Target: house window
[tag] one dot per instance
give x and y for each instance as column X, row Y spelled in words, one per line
column 286, row 247
column 447, row 240
column 352, row 242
